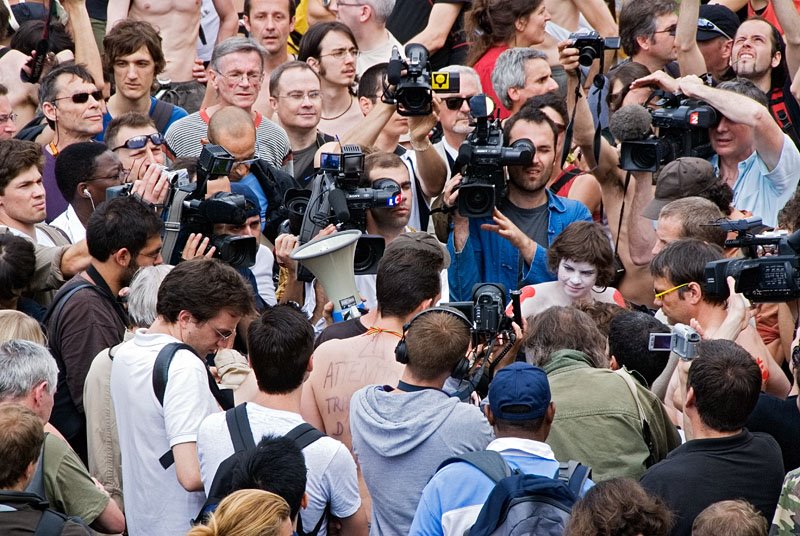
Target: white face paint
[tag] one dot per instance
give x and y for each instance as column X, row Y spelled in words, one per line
column 576, row 278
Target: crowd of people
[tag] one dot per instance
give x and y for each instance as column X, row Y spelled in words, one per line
column 167, row 368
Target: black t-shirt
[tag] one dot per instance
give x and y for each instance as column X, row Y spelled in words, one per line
column 531, row 221
column 704, row 471
column 97, row 9
column 780, row 419
column 409, row 17
column 341, row 330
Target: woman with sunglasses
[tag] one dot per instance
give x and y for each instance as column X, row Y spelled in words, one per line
column 497, row 25
column 583, row 260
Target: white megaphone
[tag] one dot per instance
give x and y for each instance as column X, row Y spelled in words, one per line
column 330, row 259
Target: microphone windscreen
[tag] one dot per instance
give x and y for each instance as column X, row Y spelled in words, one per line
column 630, row 123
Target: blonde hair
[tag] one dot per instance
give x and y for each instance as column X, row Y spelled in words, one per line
column 246, row 512
column 17, row 325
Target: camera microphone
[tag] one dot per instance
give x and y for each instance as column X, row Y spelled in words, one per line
column 394, row 69
column 338, row 202
column 631, row 123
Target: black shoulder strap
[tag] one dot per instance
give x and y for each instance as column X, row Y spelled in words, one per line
column 489, row 462
column 54, row 311
column 303, row 435
column 318, row 526
column 565, row 177
column 239, row 428
column 51, row 523
column 574, row 475
column 162, row 111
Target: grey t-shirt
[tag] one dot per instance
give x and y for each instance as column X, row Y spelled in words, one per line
column 531, row 221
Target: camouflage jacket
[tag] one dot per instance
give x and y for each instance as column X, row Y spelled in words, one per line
column 787, row 515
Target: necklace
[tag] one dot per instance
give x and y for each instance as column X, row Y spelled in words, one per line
column 376, row 330
column 341, row 114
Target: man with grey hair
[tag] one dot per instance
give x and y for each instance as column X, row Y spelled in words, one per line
column 237, row 73
column 105, row 462
column 521, row 73
column 28, row 376
column 454, row 115
column 367, row 21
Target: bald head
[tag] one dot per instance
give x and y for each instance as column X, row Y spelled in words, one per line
column 229, row 123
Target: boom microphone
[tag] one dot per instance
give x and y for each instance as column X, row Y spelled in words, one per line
column 630, row 123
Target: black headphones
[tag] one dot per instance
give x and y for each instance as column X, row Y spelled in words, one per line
column 461, row 369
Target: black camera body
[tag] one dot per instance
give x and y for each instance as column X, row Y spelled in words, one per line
column 481, row 159
column 413, row 93
column 335, row 197
column 683, row 131
column 774, row 278
column 591, row 46
column 190, row 212
column 487, row 310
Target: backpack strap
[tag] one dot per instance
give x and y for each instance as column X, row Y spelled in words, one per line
column 574, row 474
column 488, row 462
column 566, row 176
column 161, row 375
column 303, row 435
column 325, row 514
column 162, row 111
column 239, row 428
column 51, row 523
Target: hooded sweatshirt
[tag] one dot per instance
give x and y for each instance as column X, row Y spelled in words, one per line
column 401, row 438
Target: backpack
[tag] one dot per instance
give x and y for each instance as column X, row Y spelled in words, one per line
column 51, row 523
column 224, row 397
column 242, row 438
column 524, row 504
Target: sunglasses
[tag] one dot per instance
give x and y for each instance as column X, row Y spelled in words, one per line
column 82, row 98
column 707, row 25
column 139, row 142
column 455, row 103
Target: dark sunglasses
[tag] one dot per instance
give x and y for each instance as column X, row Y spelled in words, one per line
column 139, row 142
column 82, row 98
column 454, row 103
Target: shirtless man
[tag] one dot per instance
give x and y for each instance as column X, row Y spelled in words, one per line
column 178, row 22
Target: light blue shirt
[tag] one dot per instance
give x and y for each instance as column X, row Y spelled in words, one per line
column 765, row 192
column 251, row 182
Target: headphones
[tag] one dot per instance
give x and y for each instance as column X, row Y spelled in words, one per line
column 461, row 369
column 87, row 193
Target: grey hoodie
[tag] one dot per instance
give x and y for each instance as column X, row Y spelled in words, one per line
column 400, row 439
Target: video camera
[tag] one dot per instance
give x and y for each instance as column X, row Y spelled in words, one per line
column 190, row 212
column 682, row 131
column 335, row 197
column 591, row 46
column 774, row 278
column 413, row 91
column 683, row 341
column 481, row 158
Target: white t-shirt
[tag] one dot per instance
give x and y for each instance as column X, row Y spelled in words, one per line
column 68, row 222
column 331, row 469
column 155, row 502
column 262, row 270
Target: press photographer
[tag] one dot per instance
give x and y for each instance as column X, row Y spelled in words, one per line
column 754, row 156
column 525, row 221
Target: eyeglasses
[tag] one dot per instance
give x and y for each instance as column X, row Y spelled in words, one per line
column 83, row 97
column 341, row 53
column 299, row 96
column 153, row 256
column 245, row 162
column 222, row 334
column 353, row 4
column 121, row 176
column 670, row 30
column 235, row 78
column 455, row 103
column 138, row 142
column 663, row 293
column 8, row 117
column 707, row 25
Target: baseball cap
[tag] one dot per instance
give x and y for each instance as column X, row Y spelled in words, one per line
column 716, row 21
column 252, row 206
column 421, row 241
column 683, row 177
column 519, row 392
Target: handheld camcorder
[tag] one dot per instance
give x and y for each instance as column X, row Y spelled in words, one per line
column 414, row 83
column 337, row 197
column 773, row 278
column 682, row 131
column 481, row 159
column 683, row 341
column 591, row 46
column 190, row 212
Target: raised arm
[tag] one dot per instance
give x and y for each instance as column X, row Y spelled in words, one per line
column 690, row 58
column 228, row 19
column 598, row 15
column 431, row 167
column 80, row 28
column 440, row 21
column 789, row 18
column 641, row 235
column 368, row 129
column 117, row 11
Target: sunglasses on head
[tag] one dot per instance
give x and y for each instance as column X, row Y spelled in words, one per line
column 454, row 103
column 139, row 142
column 81, row 98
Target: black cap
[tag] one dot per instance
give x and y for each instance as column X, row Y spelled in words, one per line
column 724, row 22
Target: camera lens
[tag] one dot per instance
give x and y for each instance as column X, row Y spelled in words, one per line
column 365, row 257
column 587, row 56
column 476, row 200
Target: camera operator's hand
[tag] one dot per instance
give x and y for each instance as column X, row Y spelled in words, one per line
column 658, row 79
column 506, row 228
column 153, row 187
column 511, row 356
column 196, row 246
column 284, row 245
column 199, row 73
column 421, row 125
column 688, row 85
column 568, row 56
column 737, row 319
